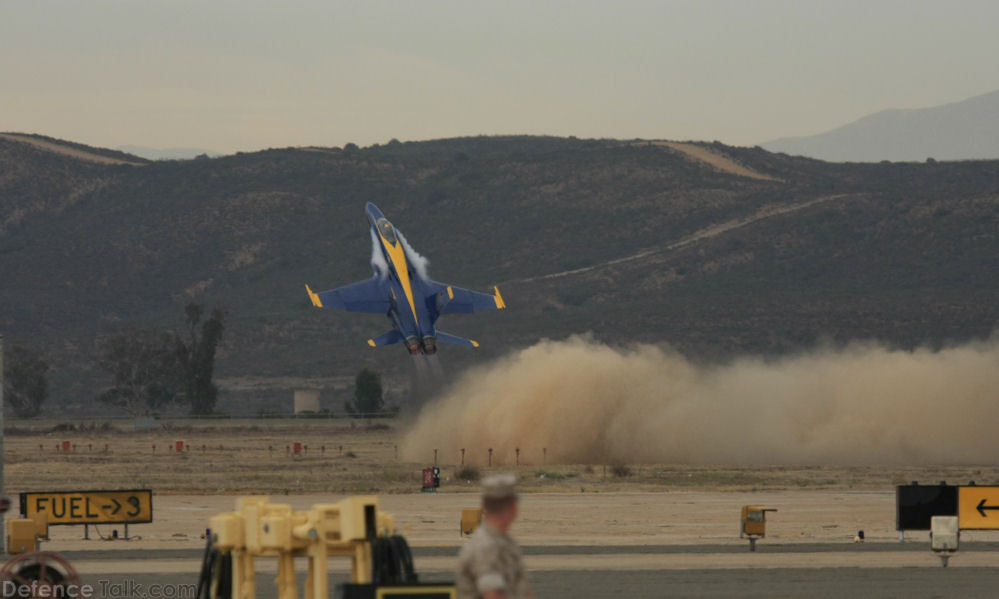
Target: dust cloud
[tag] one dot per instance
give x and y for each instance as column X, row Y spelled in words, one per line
column 588, row 403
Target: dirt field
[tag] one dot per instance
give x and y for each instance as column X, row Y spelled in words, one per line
column 568, row 519
column 564, row 504
column 702, row 154
column 340, row 457
column 587, row 530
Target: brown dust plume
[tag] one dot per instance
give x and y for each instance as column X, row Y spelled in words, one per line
column 586, row 402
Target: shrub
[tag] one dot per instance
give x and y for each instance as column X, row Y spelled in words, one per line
column 620, row 471
column 468, row 474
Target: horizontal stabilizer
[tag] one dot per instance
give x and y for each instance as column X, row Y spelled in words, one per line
column 453, row 339
column 388, row 338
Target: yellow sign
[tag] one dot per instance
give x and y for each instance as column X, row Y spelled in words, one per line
column 978, row 508
column 90, row 507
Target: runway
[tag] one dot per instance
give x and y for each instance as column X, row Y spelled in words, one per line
column 794, row 570
column 742, row 583
column 814, row 583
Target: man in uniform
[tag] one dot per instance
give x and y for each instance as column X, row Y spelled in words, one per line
column 490, row 565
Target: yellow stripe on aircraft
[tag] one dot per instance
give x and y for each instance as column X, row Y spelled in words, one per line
column 500, row 304
column 398, row 257
column 314, row 297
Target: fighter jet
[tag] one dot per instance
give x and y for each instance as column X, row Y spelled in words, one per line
column 401, row 290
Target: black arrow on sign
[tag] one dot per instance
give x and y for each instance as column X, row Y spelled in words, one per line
column 982, row 507
column 117, row 506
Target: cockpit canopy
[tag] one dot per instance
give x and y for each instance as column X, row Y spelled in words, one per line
column 386, row 230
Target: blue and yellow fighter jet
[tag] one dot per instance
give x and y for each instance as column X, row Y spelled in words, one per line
column 401, row 290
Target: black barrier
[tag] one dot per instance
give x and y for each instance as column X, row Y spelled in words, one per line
column 430, row 590
column 915, row 505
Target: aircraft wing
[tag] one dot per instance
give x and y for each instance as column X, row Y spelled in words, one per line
column 455, row 300
column 366, row 296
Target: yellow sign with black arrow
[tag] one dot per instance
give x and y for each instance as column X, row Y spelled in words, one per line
column 90, row 507
column 978, row 508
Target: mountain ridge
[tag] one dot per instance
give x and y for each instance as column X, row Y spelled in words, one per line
column 962, row 130
column 167, row 153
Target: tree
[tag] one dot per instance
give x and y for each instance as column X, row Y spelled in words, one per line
column 25, row 386
column 367, row 394
column 197, row 358
column 143, row 367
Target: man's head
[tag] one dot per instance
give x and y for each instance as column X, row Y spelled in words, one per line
column 499, row 500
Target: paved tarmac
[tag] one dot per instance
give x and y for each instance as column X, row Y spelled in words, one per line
column 648, row 571
column 762, row 546
column 819, row 583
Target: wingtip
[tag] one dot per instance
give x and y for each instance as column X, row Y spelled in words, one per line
column 474, row 342
column 314, row 297
column 500, row 304
column 371, row 342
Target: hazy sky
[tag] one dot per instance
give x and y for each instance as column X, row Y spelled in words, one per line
column 250, row 74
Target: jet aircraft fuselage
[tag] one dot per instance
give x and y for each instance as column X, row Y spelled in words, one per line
column 401, row 289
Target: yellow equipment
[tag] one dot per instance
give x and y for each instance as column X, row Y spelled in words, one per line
column 21, row 535
column 753, row 523
column 354, row 528
column 24, row 534
column 470, row 520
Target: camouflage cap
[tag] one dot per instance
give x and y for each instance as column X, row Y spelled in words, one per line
column 500, row 486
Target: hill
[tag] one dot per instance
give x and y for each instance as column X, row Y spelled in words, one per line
column 965, row 130
column 74, row 150
column 167, row 153
column 717, row 250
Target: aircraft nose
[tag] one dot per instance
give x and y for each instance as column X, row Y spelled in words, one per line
column 372, row 211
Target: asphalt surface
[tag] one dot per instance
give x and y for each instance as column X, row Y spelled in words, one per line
column 819, row 583
column 762, row 546
column 744, row 583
